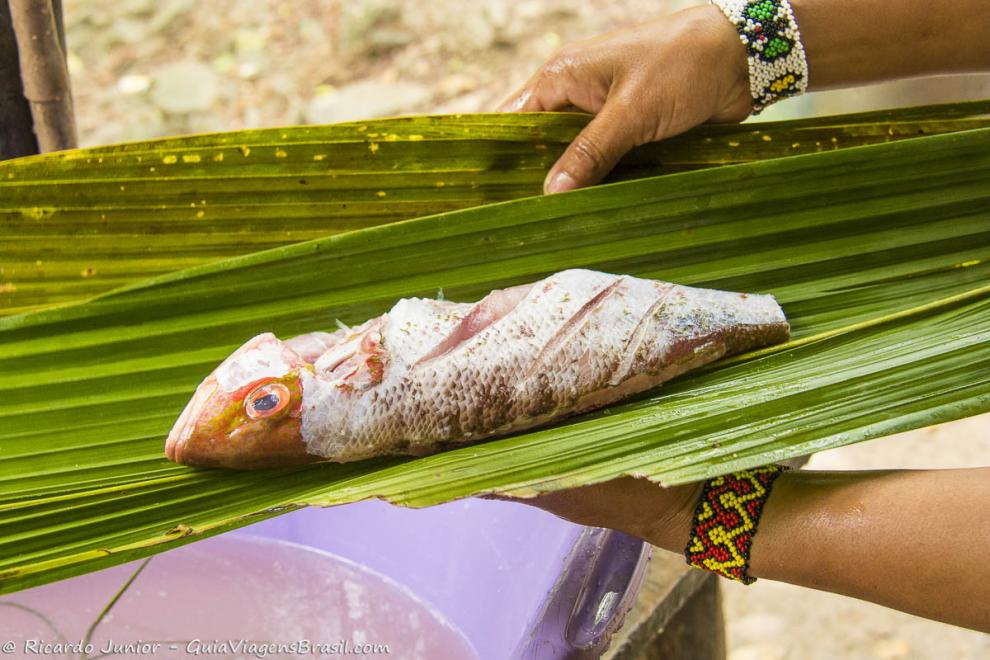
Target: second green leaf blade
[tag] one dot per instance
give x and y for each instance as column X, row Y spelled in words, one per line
column 82, row 222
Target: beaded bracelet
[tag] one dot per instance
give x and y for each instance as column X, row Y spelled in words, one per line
column 725, row 521
column 778, row 67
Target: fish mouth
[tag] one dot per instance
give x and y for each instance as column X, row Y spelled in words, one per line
column 183, row 428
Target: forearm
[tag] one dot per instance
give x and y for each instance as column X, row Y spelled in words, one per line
column 912, row 540
column 853, row 42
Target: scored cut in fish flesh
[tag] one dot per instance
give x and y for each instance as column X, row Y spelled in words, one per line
column 430, row 373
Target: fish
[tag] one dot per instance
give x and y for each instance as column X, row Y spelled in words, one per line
column 430, row 374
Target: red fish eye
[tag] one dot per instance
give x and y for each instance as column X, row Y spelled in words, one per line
column 267, row 401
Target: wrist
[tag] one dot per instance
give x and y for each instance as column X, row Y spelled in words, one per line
column 727, row 519
column 727, row 62
column 670, row 527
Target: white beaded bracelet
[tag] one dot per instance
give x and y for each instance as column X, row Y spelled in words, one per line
column 778, row 67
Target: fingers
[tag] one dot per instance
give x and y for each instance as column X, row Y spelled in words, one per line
column 571, row 78
column 595, row 151
column 577, row 78
column 515, row 101
column 512, row 102
column 542, row 93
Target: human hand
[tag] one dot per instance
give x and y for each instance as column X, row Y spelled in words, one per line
column 662, row 516
column 646, row 83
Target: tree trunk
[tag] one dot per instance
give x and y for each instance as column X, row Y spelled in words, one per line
column 16, row 137
column 44, row 73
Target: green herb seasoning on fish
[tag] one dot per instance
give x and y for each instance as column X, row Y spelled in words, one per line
column 430, row 374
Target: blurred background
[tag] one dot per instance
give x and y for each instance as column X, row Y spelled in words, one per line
column 149, row 68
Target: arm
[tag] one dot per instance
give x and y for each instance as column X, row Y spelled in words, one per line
column 666, row 76
column 911, row 540
column 853, row 42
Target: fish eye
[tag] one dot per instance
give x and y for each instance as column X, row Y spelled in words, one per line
column 267, row 400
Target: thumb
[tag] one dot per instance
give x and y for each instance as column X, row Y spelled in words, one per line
column 595, row 151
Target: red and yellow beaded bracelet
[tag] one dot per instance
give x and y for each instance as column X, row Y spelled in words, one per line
column 725, row 521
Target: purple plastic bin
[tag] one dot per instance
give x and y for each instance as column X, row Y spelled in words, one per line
column 230, row 597
column 469, row 579
column 517, row 581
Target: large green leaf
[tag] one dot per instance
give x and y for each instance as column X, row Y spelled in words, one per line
column 879, row 254
column 82, row 222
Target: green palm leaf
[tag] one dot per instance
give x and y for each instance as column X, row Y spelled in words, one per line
column 83, row 222
column 879, row 254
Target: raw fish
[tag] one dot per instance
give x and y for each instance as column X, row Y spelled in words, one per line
column 432, row 374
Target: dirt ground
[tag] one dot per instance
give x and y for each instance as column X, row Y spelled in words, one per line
column 148, row 68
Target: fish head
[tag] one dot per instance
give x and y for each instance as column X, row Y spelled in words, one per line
column 247, row 413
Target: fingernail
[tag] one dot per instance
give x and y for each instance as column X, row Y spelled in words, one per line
column 560, row 182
